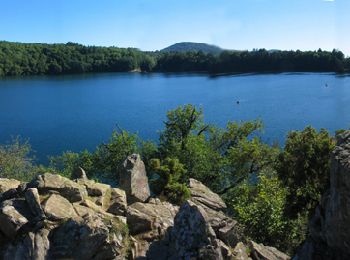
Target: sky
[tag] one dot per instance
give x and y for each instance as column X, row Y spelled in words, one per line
column 155, row 24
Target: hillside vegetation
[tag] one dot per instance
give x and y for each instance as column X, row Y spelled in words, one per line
column 193, row 47
column 37, row 59
column 272, row 191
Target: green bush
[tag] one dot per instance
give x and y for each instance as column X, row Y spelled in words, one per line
column 17, row 161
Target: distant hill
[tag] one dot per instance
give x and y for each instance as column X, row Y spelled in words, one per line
column 193, row 46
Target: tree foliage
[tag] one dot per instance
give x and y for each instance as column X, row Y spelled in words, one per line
column 17, row 161
column 36, row 59
column 303, row 167
column 271, row 190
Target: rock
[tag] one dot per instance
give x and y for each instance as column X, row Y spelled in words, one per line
column 33, row 200
column 98, row 192
column 133, row 179
column 139, row 249
column 93, row 238
column 57, row 207
column 117, row 204
column 79, row 173
column 31, row 246
column 8, row 184
column 329, row 228
column 94, row 189
column 153, row 219
column 191, row 231
column 83, row 211
column 225, row 250
column 202, row 195
column 54, row 182
column 226, row 229
column 240, row 252
column 229, row 231
column 13, row 215
column 261, row 252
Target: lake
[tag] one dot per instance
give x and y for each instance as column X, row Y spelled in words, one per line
column 59, row 113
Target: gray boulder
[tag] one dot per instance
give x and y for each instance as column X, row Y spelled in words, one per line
column 191, row 237
column 226, row 229
column 329, row 229
column 117, row 203
column 54, row 182
column 261, row 252
column 8, row 184
column 151, row 217
column 33, row 246
column 57, row 207
column 202, row 195
column 95, row 237
column 133, row 179
column 14, row 214
column 33, row 200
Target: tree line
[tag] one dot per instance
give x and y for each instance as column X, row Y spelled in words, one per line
column 38, row 59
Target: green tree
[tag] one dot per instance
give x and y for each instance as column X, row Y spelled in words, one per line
column 169, row 180
column 259, row 206
column 110, row 156
column 17, row 161
column 303, row 166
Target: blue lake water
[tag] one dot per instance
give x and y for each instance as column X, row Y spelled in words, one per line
column 75, row 112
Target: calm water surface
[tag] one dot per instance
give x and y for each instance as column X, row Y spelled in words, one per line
column 61, row 113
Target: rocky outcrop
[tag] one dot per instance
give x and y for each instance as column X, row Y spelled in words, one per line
column 329, row 229
column 133, row 179
column 202, row 195
column 53, row 217
column 53, row 182
column 226, row 229
column 192, row 237
column 57, row 218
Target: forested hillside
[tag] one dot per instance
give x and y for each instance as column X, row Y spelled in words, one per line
column 193, row 47
column 37, row 59
column 32, row 59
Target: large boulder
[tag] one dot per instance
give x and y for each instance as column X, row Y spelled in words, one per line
column 14, row 214
column 96, row 237
column 261, row 252
column 226, row 229
column 53, row 182
column 149, row 222
column 100, row 193
column 133, row 179
column 191, row 237
column 155, row 217
column 8, row 184
column 117, row 203
column 329, row 229
column 202, row 195
column 192, row 234
column 34, row 245
column 57, row 207
column 33, row 200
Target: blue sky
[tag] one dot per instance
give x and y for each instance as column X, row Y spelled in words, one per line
column 155, row 24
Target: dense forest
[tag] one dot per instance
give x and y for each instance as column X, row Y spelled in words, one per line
column 272, row 191
column 37, row 59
